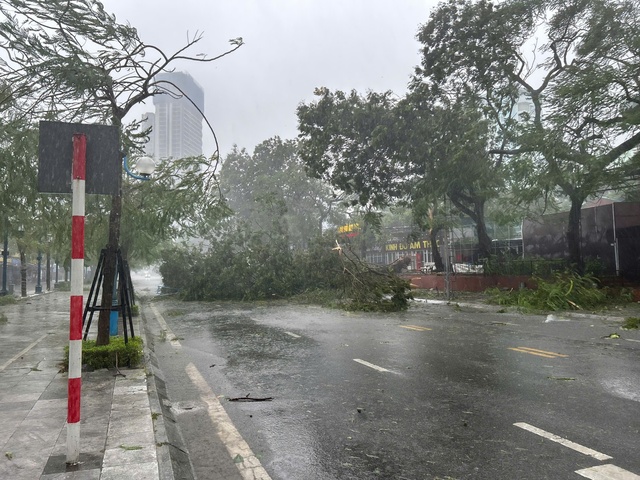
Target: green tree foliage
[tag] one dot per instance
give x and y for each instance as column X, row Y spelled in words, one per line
column 27, row 216
column 574, row 61
column 345, row 140
column 444, row 141
column 273, row 181
column 181, row 201
column 72, row 61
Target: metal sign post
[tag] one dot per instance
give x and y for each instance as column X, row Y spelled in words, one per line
column 76, row 299
column 90, row 164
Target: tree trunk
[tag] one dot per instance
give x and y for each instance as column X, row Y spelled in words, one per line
column 23, row 273
column 484, row 240
column 437, row 257
column 477, row 215
column 573, row 235
column 109, row 271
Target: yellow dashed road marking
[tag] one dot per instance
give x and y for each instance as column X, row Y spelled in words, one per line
column 540, row 353
column 415, row 327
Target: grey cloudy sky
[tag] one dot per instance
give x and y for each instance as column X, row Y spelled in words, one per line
column 291, row 47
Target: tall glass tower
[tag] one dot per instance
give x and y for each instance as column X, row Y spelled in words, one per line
column 177, row 123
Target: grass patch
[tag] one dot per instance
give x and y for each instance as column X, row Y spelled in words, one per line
column 3, row 318
column 116, row 354
column 62, row 287
column 7, row 300
column 631, row 323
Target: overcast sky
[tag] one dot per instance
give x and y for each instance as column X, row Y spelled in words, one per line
column 291, row 47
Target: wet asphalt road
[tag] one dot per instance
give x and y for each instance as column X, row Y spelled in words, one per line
column 442, row 404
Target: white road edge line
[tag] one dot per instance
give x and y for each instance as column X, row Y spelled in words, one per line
column 631, row 340
column 17, row 356
column 250, row 467
column 371, row 365
column 607, row 472
column 174, row 342
column 563, row 441
column 291, row 334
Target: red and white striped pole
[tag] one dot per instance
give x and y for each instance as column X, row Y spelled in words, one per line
column 78, row 177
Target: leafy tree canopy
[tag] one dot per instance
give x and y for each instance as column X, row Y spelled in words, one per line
column 571, row 60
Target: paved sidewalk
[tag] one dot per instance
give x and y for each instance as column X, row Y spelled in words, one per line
column 121, row 434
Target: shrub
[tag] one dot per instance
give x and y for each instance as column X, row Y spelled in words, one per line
column 7, row 300
column 116, row 354
column 63, row 286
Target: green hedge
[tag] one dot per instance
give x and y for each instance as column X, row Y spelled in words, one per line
column 104, row 356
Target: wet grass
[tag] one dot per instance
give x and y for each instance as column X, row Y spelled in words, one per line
column 7, row 300
column 631, row 323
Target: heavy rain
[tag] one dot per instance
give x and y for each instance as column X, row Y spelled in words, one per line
column 320, row 240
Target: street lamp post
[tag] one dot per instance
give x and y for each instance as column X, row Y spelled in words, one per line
column 5, row 259
column 39, row 273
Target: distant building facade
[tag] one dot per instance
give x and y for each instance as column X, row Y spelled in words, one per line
column 177, row 122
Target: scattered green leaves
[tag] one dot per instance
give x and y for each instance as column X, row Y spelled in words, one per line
column 564, row 291
column 130, row 447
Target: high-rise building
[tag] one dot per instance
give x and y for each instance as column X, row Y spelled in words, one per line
column 177, row 122
column 147, row 124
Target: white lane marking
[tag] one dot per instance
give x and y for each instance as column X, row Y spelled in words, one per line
column 18, row 355
column 632, row 340
column 173, row 340
column 371, row 365
column 292, row 334
column 248, row 464
column 563, row 441
column 607, row 472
